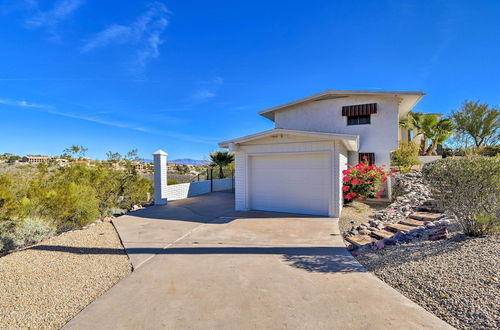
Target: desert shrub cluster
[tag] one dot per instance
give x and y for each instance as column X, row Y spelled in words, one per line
column 55, row 199
column 469, row 188
column 405, row 156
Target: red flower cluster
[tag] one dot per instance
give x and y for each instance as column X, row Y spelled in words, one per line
column 364, row 181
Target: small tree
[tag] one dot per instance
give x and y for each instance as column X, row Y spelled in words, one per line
column 113, row 156
column 479, row 122
column 221, row 159
column 405, row 156
column 75, row 152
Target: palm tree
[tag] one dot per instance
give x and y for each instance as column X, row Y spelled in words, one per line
column 221, row 159
column 415, row 123
column 438, row 132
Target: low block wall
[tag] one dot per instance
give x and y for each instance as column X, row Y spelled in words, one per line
column 185, row 190
column 428, row 159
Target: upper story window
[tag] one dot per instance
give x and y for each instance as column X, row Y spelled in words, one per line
column 358, row 120
column 359, row 114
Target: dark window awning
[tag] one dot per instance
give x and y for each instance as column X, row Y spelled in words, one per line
column 359, row 109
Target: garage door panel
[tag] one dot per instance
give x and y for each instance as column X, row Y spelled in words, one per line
column 297, row 183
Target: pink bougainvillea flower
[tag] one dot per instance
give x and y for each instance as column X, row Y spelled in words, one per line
column 345, row 188
column 355, row 181
column 346, row 179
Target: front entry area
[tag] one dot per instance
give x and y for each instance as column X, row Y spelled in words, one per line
column 295, row 183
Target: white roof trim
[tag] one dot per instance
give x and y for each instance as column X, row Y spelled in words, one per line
column 269, row 113
column 351, row 141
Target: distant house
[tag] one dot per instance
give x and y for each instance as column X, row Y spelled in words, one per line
column 297, row 166
column 142, row 166
column 83, row 161
column 36, row 159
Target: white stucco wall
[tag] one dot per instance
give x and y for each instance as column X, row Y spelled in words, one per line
column 381, row 135
column 185, row 190
column 286, row 144
column 343, row 160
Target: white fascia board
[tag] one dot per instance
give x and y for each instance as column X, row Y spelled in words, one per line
column 351, row 141
column 269, row 113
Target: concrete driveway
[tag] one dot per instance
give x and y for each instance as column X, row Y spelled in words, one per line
column 201, row 265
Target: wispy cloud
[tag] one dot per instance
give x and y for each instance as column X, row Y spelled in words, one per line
column 49, row 109
column 208, row 90
column 24, row 104
column 51, row 18
column 144, row 33
column 203, row 94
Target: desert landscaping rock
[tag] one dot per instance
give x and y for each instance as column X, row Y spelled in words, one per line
column 43, row 287
column 454, row 279
column 435, row 265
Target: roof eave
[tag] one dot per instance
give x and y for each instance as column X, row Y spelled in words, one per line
column 351, row 141
column 269, row 113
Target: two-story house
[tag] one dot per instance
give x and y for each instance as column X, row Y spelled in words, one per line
column 297, row 166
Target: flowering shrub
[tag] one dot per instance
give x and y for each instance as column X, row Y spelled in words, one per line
column 363, row 181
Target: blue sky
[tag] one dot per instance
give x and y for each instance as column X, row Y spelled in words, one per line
column 183, row 75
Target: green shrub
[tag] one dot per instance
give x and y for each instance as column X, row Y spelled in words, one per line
column 489, row 151
column 26, row 232
column 405, row 156
column 469, row 188
column 69, row 197
column 8, row 197
column 32, row 231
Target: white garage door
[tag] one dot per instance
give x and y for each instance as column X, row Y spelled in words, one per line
column 298, row 183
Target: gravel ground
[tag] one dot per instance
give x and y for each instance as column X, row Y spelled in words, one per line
column 43, row 287
column 456, row 279
column 359, row 212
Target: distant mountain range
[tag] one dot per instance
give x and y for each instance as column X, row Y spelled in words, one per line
column 189, row 161
column 185, row 161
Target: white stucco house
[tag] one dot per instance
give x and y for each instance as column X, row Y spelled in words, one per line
column 297, row 166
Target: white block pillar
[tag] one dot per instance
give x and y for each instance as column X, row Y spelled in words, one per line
column 160, row 177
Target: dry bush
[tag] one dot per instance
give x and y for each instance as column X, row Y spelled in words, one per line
column 469, row 188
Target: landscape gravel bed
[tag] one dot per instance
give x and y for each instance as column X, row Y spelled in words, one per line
column 358, row 212
column 456, row 279
column 46, row 285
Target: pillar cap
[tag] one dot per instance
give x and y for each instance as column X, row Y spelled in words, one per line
column 160, row 152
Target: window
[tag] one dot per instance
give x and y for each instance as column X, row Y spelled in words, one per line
column 358, row 120
column 370, row 157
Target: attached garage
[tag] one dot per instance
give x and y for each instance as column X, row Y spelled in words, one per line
column 296, row 183
column 291, row 171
